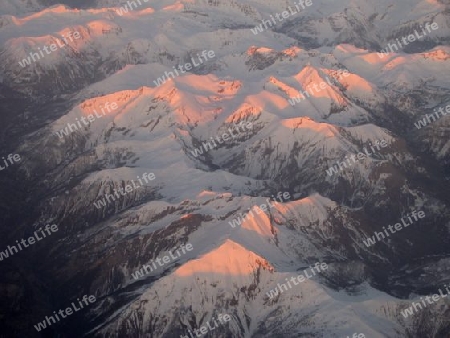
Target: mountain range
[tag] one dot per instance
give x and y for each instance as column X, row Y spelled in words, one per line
column 253, row 78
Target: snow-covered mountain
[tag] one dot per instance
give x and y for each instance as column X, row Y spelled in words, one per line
column 139, row 124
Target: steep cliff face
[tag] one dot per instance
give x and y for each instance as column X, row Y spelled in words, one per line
column 310, row 107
